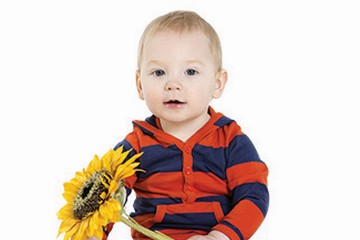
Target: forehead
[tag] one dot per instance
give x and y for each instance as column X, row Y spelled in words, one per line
column 179, row 43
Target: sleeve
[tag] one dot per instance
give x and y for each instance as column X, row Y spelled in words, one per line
column 128, row 143
column 247, row 180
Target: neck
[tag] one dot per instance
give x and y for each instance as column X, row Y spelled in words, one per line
column 184, row 130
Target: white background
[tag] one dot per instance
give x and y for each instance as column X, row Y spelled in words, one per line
column 67, row 92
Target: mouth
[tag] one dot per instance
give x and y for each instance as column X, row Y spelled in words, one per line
column 174, row 103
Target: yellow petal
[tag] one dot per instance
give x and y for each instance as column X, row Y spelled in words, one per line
column 80, row 176
column 117, row 176
column 122, row 172
column 133, row 158
column 93, row 224
column 67, row 225
column 69, row 196
column 77, row 182
column 87, row 174
column 106, row 160
column 71, row 232
column 103, row 195
column 120, row 156
column 115, row 207
column 90, row 229
column 99, row 233
column 65, row 212
column 105, row 210
column 94, row 165
column 110, row 204
column 102, row 220
column 115, row 204
column 130, row 164
column 81, row 233
column 79, row 179
column 116, row 217
column 126, row 173
column 118, row 153
column 113, row 187
column 70, row 187
column 78, row 235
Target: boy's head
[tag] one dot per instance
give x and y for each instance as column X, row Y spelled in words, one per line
column 183, row 21
column 179, row 68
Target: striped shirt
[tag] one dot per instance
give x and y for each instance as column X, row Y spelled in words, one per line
column 213, row 181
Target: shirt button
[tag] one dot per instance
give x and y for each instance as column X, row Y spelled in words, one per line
column 189, row 189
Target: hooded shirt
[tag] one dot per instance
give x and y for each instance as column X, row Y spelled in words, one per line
column 213, row 181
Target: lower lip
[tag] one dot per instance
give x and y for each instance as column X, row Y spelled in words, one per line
column 174, row 105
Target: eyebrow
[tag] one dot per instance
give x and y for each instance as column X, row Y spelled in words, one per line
column 153, row 62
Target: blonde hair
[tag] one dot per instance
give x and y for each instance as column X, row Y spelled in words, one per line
column 181, row 21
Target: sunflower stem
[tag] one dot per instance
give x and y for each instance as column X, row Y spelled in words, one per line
column 156, row 235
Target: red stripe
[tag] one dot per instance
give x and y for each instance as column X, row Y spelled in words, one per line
column 107, row 229
column 207, row 184
column 247, row 173
column 138, row 138
column 130, row 181
column 160, row 185
column 246, row 216
column 218, row 139
column 171, row 184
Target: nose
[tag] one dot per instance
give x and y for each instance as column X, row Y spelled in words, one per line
column 173, row 86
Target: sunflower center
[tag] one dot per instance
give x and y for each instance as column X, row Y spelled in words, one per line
column 92, row 194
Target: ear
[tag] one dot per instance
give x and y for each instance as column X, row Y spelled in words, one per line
column 138, row 85
column 221, row 80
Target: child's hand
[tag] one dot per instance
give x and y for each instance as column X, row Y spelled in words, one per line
column 213, row 235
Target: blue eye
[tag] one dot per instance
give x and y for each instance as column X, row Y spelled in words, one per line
column 159, row 73
column 191, row 72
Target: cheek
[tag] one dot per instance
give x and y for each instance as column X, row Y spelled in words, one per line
column 152, row 93
column 205, row 92
column 203, row 96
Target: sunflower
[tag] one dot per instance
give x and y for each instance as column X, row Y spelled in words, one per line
column 90, row 195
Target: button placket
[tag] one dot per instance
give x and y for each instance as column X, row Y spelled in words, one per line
column 187, row 173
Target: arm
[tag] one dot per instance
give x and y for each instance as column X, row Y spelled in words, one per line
column 247, row 180
column 128, row 184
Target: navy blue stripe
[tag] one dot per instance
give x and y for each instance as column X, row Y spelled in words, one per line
column 148, row 205
column 223, row 121
column 199, row 221
column 242, row 150
column 126, row 144
column 151, row 120
column 163, row 226
column 157, row 158
column 256, row 192
column 144, row 129
column 235, row 229
column 209, row 159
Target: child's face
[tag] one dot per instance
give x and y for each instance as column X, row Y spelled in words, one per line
column 178, row 77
